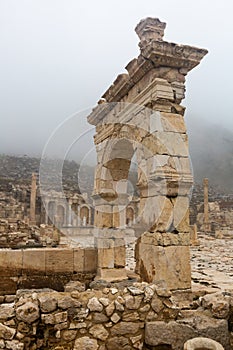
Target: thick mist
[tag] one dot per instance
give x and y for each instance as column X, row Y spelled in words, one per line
column 58, row 57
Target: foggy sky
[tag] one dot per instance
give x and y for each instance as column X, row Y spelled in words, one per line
column 57, row 57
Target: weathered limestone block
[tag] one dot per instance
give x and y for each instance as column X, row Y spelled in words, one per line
column 162, row 90
column 118, row 343
column 59, row 317
column 78, row 260
column 156, row 213
column 67, row 302
column 59, row 260
column 85, row 343
column 28, row 312
column 69, row 334
column 47, row 303
column 181, row 214
column 105, row 253
column 94, row 305
column 167, row 122
column 90, row 260
column 123, row 328
column 99, row 332
column 169, row 264
column 7, row 311
column 133, row 302
column 14, row 345
column 6, row 332
column 165, row 239
column 218, row 303
column 178, row 90
column 111, row 254
column 171, row 333
column 11, row 262
column 34, row 260
column 176, row 333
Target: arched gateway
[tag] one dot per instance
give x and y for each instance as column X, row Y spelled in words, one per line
column 140, row 114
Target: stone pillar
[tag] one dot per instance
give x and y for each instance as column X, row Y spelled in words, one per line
column 206, row 205
column 111, row 261
column 69, row 213
column 33, row 200
column 193, row 235
column 141, row 113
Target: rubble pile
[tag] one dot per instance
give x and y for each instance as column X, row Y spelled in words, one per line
column 111, row 317
column 18, row 234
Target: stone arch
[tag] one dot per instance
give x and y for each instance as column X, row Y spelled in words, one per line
column 141, row 113
column 111, row 179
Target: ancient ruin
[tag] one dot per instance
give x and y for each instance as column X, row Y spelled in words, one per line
column 141, row 114
column 80, row 291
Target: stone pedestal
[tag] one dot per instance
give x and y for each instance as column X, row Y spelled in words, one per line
column 111, row 258
column 165, row 259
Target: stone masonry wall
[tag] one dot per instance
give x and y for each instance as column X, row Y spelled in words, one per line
column 113, row 317
column 48, row 267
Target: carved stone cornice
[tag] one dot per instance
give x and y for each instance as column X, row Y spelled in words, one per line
column 165, row 54
column 154, row 53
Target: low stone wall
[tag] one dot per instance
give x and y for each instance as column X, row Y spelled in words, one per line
column 130, row 316
column 48, row 267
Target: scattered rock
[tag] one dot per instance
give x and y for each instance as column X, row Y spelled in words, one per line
column 94, row 305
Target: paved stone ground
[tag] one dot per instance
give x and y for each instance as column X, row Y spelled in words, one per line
column 211, row 262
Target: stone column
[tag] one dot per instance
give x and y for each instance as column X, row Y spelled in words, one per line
column 206, row 205
column 69, row 211
column 46, row 212
column 33, row 200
